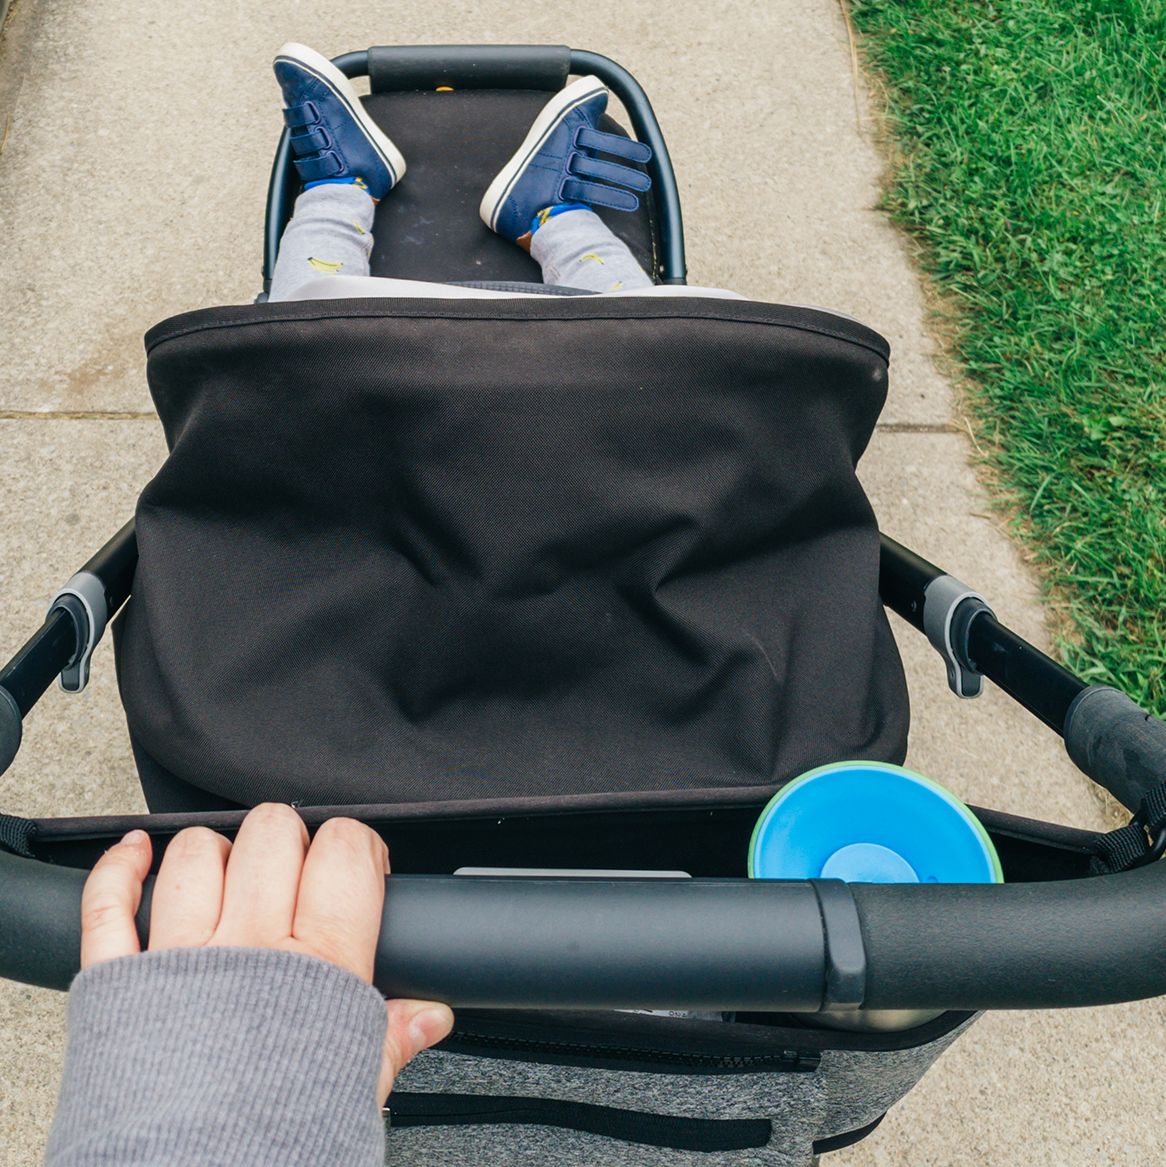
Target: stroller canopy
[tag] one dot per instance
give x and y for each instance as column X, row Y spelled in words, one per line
column 603, row 549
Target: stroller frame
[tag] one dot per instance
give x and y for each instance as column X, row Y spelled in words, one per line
column 1085, row 904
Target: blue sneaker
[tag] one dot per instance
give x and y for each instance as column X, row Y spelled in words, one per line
column 333, row 139
column 558, row 163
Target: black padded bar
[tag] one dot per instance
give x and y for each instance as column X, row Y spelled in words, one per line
column 40, row 905
column 1116, row 743
column 31, row 671
column 11, row 729
column 1015, row 946
column 33, row 668
column 537, row 943
column 703, row 943
column 396, row 67
column 603, row 943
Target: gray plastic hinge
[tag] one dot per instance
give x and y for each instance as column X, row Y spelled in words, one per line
column 941, row 599
column 83, row 597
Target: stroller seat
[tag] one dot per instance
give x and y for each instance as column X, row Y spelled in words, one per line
column 455, row 143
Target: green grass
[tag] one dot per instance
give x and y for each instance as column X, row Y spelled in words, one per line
column 1031, row 142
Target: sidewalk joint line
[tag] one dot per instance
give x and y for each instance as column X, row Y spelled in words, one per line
column 77, row 415
column 913, row 427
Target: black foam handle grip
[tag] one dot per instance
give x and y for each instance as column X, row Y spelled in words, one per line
column 1050, row 945
column 414, row 67
column 1117, row 743
column 751, row 945
column 483, row 942
column 603, row 943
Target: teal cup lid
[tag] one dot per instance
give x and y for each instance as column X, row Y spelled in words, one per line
column 870, row 822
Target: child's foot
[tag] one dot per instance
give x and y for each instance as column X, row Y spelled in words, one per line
column 333, row 139
column 557, row 167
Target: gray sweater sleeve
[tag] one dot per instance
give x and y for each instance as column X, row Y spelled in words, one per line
column 220, row 1056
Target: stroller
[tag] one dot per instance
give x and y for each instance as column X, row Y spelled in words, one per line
column 562, row 588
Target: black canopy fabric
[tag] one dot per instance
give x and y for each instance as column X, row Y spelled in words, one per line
column 509, row 552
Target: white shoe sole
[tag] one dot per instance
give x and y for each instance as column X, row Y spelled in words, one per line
column 499, row 190
column 321, row 67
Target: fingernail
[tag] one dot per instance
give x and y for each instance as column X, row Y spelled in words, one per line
column 429, row 1026
column 134, row 838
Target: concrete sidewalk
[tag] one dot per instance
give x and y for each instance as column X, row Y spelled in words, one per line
column 131, row 188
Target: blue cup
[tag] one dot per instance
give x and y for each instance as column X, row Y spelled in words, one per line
column 871, row 822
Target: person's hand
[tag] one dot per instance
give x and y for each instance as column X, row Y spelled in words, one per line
column 269, row 890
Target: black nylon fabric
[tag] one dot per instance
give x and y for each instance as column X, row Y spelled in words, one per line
column 411, row 551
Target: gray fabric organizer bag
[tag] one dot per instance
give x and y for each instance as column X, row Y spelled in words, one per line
column 549, row 1101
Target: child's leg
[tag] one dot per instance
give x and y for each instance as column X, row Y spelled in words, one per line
column 576, row 248
column 346, row 162
column 329, row 234
column 542, row 198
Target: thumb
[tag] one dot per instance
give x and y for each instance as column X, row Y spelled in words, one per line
column 413, row 1026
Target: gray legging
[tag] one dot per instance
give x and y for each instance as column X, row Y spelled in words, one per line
column 331, row 234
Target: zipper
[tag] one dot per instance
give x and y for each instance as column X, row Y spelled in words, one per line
column 786, row 1059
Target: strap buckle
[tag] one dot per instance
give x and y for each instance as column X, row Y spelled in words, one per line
column 1139, row 843
column 1156, row 842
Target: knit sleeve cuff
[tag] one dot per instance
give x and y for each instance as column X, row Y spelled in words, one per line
column 220, row 1055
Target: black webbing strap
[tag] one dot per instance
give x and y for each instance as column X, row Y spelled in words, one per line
column 16, row 835
column 1131, row 845
column 676, row 1132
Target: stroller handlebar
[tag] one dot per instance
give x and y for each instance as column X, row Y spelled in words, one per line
column 785, row 946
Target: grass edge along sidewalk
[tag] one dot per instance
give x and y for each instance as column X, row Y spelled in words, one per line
column 1030, row 166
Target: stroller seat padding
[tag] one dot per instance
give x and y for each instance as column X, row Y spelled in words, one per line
column 415, row 551
column 428, row 228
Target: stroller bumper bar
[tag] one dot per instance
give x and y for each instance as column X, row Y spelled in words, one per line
column 784, row 946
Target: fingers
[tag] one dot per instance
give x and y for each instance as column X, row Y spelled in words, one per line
column 188, row 891
column 110, row 900
column 342, row 892
column 263, row 878
column 413, row 1026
